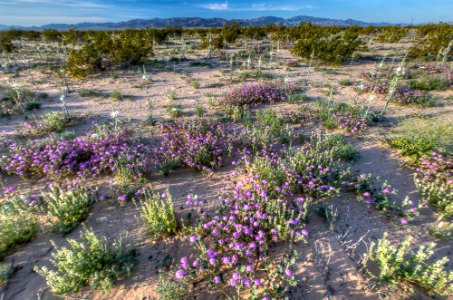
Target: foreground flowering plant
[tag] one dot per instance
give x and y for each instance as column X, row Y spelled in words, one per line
column 92, row 154
column 260, row 211
column 232, row 247
column 434, row 180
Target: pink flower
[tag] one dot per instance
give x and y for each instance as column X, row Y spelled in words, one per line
column 180, row 274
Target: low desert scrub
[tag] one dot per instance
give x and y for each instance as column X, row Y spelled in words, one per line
column 69, row 207
column 430, row 83
column 51, row 122
column 158, row 214
column 93, row 261
column 85, row 93
column 343, row 150
column 398, row 264
column 17, row 224
column 434, row 180
column 417, row 137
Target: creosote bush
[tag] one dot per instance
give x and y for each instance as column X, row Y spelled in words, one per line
column 327, row 45
column 94, row 262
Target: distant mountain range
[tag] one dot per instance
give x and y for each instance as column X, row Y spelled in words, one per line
column 196, row 23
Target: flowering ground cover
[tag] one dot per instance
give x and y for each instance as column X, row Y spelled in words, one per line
column 213, row 166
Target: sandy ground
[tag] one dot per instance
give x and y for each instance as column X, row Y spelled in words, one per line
column 328, row 267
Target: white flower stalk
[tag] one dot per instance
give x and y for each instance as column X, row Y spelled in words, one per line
column 63, row 101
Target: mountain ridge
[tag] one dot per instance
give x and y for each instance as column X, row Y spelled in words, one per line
column 196, row 22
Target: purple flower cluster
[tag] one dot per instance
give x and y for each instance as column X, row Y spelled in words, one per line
column 236, row 239
column 374, row 82
column 259, row 210
column 351, row 123
column 436, row 167
column 197, row 144
column 250, row 94
column 86, row 155
column 408, row 96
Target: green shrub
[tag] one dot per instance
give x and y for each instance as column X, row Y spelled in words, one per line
column 85, row 93
column 417, row 137
column 175, row 111
column 5, row 273
column 17, row 225
column 6, row 44
column 342, row 150
column 328, row 46
column 430, row 83
column 199, row 110
column 101, row 50
column 70, row 207
column 117, row 95
column 434, row 42
column 171, row 290
column 398, row 264
column 158, row 214
column 346, row 82
column 438, row 193
column 94, row 262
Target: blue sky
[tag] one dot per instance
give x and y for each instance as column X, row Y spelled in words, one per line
column 39, row 12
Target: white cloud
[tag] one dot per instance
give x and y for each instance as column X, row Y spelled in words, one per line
column 269, row 7
column 255, row 7
column 216, row 6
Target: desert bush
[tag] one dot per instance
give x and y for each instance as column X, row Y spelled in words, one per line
column 158, row 214
column 325, row 45
column 434, row 42
column 117, row 95
column 398, row 264
column 174, row 110
column 50, row 122
column 430, row 83
column 93, row 261
column 85, row 93
column 392, row 34
column 17, row 224
column 6, row 44
column 69, row 207
column 101, row 50
column 18, row 99
column 343, row 150
column 434, row 180
column 6, row 272
column 416, row 138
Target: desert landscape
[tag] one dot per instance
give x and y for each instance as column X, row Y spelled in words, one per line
column 263, row 162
